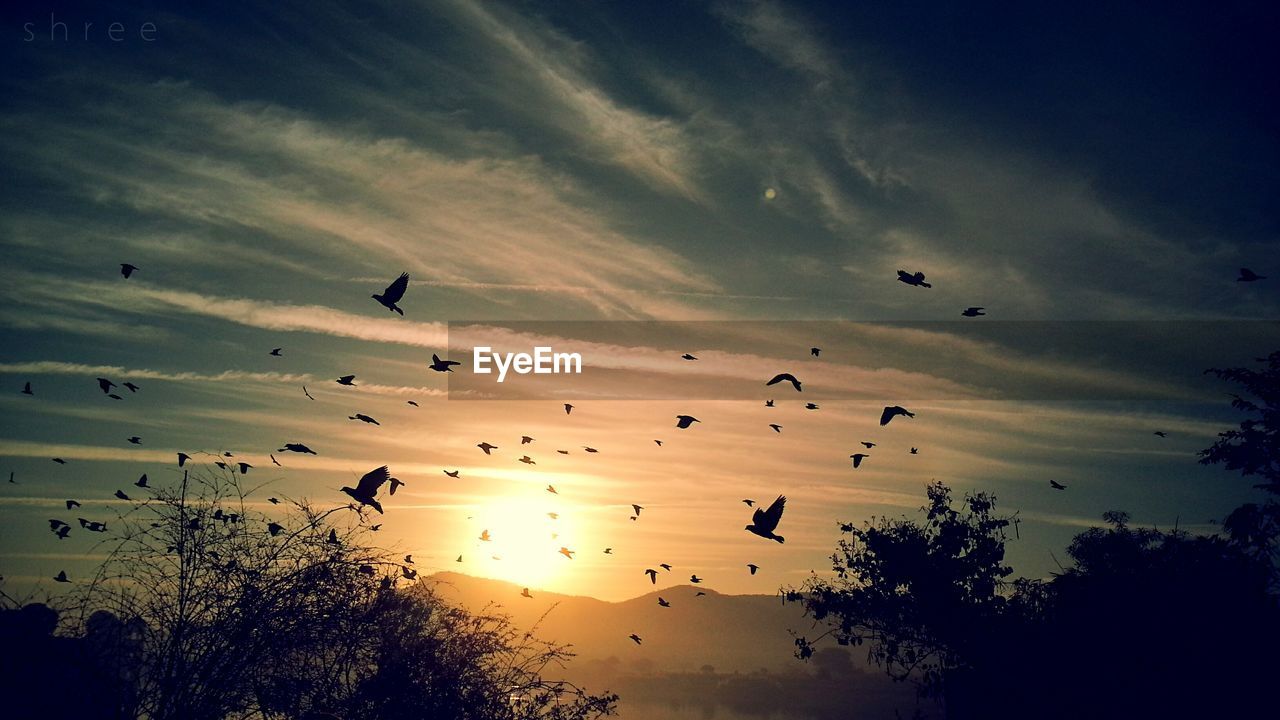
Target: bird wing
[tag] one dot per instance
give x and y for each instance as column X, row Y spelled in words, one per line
column 781, row 377
column 888, row 414
column 373, row 480
column 395, row 290
column 768, row 520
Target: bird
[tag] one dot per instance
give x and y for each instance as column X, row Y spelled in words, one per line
column 695, row 579
column 63, row 531
column 662, row 602
column 142, row 482
column 410, row 402
column 527, row 460
column 275, row 352
column 684, row 421
column 60, row 461
column 973, row 312
column 452, row 474
column 132, row 388
column 92, row 525
column 1161, row 433
column 273, row 501
column 764, row 522
column 298, row 448
column 637, row 508
column 753, row 568
column 811, row 406
column 525, row 593
column 815, row 351
column 784, row 377
column 333, row 537
column 699, row 594
column 244, row 467
column 364, row 418
column 274, row 460
column 346, row 380
column 442, row 365
column 54, row 524
column 365, row 491
column 26, row 389
column 892, row 411
column 868, row 445
column 653, row 576
column 768, row 403
column 857, row 458
column 608, row 551
column 73, row 504
column 459, row 559
column 567, row 552
column 568, row 408
column 183, row 458
column 590, row 449
column 408, row 559
column 915, row 451
column 1057, row 485
column 563, row 452
column 393, row 294
column 552, row 489
column 635, row 638
column 776, row 427
column 486, row 447
column 665, row 566
column 658, row 443
column 525, row 439
column 120, row 494
column 687, row 356
column 61, row 576
column 127, row 270
column 749, row 503
column 135, row 440
column 106, row 385
column 1247, row 275
column 484, row 535
column 304, row 392
column 395, row 483
column 375, row 528
column 114, row 396
column 916, row 278
column 274, row 528
column 553, row 516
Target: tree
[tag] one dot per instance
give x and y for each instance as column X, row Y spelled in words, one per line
column 234, row 614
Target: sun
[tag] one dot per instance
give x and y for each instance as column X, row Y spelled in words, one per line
column 526, row 532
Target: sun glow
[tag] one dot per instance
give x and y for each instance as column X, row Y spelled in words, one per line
column 525, row 539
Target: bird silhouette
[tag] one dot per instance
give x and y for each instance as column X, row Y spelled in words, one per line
column 590, row 449
column 892, row 411
column 120, row 494
column 393, row 294
column 525, row 593
column 525, row 439
column 1247, row 275
column 132, row 388
column 857, row 458
column 273, row 501
column 54, row 524
column 687, row 356
column 442, row 365
column 346, row 380
column 776, row 427
column 753, row 568
column 274, row 460
column 304, row 392
column 63, row 531
column 452, row 474
column 244, row 467
column 114, row 396
column 92, row 525
column 811, row 406
column 662, row 602
column 608, row 551
column 637, row 508
column 653, row 576
column 364, row 418
column 768, row 403
column 916, row 278
column 410, row 402
column 868, row 445
column 333, row 537
column 552, row 489
column 1057, row 485
column 484, row 536
column 395, row 484
column 684, row 421
column 365, row 491
column 658, row 443
column 486, row 447
column 764, row 522
column 106, row 385
column 61, row 577
column 665, row 566
column 183, row 458
column 815, row 351
column 568, row 408
column 635, row 638
column 298, row 448
column 135, row 440
column 275, row 352
column 973, row 312
column 26, row 389
column 274, row 528
column 73, row 504
column 567, row 552
column 695, row 579
column 749, row 503
column 699, row 594
column 127, row 270
column 1161, row 433
column 142, row 482
column 553, row 516
column 60, row 461
column 563, row 452
column 915, row 451
column 527, row 460
column 784, row 377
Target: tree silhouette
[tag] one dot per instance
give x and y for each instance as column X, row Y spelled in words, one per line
column 225, row 612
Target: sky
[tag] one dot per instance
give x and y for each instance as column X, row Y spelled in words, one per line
column 633, row 181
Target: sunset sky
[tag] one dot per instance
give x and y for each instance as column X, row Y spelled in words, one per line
column 1094, row 180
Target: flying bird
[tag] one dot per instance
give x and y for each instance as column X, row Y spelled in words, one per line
column 749, row 503
column 857, row 458
column 106, row 385
column 364, row 418
column 635, row 637
column 662, row 602
column 811, row 406
column 274, row 460
column 653, row 575
column 658, row 443
column 637, row 508
column 783, row 377
column 393, row 294
column 1057, row 485
column 568, row 408
column 453, row 474
column 275, row 352
column 298, row 448
column 527, row 460
column 525, row 593
column 395, row 483
column 608, row 551
column 484, row 536
column 442, row 365
column 26, row 389
column 142, row 482
column 346, row 380
column 486, row 447
column 525, row 439
column 753, row 568
column 1247, row 275
column 916, row 278
column 665, row 566
column 365, row 491
column 687, row 356
column 552, row 489
column 915, row 451
column 590, row 449
column 868, row 445
column 135, row 440
column 120, row 494
column 61, row 576
column 244, row 467
column 567, row 552
column 699, row 594
column 132, row 388
column 63, row 531
column 776, row 427
column 73, row 504
column 684, row 421
column 410, row 402
column 764, row 522
column 304, row 392
column 695, row 579
column 60, row 461
column 274, row 528
column 333, row 537
column 183, row 458
column 273, row 501
column 973, row 312
column 127, row 270
column 563, row 452
column 1161, row 433
column 815, row 351
column 114, row 396
column 892, row 411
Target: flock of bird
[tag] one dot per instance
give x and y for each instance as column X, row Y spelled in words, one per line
column 366, row 494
